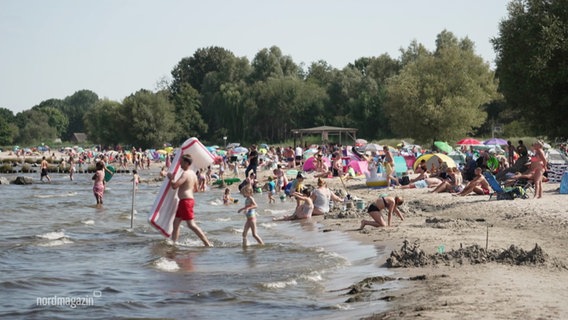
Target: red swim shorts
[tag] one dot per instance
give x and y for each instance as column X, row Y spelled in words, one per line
column 185, row 209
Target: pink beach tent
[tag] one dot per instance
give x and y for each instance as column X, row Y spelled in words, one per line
column 310, row 163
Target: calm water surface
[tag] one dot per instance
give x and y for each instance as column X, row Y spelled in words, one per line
column 62, row 258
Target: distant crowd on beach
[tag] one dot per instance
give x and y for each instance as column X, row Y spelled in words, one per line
column 483, row 172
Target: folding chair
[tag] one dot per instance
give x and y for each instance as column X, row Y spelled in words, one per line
column 503, row 193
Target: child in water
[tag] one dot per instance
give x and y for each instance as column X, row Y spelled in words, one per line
column 250, row 213
column 227, row 199
column 271, row 190
column 135, row 178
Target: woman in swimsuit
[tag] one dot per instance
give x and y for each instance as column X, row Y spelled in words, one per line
column 321, row 197
column 387, row 203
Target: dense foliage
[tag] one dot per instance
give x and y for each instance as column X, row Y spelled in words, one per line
column 532, row 63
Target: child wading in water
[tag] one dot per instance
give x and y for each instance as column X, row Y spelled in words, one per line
column 227, row 199
column 250, row 213
column 271, row 190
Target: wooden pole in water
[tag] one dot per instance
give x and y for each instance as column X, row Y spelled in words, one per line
column 133, row 200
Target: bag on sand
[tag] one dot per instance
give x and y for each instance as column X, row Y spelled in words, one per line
column 514, row 193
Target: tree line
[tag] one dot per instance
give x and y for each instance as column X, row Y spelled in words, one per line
column 444, row 94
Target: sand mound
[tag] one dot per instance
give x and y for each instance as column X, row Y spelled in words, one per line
column 410, row 255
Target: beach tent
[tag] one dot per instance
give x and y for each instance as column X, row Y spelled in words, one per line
column 400, row 166
column 434, row 161
column 360, row 167
column 432, row 158
column 424, row 157
column 457, row 156
column 409, row 159
column 310, row 163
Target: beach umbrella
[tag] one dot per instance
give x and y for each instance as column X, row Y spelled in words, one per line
column 161, row 151
column 221, row 152
column 469, row 141
column 495, row 141
column 310, row 152
column 360, row 142
column 240, row 150
column 262, row 151
column 443, row 146
column 373, row 147
column 168, row 149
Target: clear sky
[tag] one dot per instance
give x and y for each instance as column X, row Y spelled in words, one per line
column 53, row 48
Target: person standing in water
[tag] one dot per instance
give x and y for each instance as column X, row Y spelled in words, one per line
column 44, row 165
column 186, row 186
column 250, row 213
column 71, row 167
column 98, row 185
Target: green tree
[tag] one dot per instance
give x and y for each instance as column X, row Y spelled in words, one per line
column 440, row 95
column 8, row 127
column 193, row 70
column 75, row 107
column 532, row 63
column 104, row 123
column 149, row 119
column 321, row 73
column 34, row 127
column 214, row 104
column 56, row 119
column 284, row 104
column 270, row 63
column 187, row 103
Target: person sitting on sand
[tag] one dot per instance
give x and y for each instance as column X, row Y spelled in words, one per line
column 424, row 183
column 423, row 175
column 453, row 183
column 479, row 185
column 422, row 167
column 322, row 170
column 383, row 203
column 304, row 210
column 337, row 165
column 321, row 197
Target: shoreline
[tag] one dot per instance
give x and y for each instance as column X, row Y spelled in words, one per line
column 530, row 286
column 450, row 284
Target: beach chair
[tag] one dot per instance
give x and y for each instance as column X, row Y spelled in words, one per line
column 501, row 192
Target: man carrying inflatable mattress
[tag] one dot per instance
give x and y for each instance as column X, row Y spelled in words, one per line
column 186, row 185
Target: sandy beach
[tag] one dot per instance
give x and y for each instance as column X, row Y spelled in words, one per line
column 444, row 268
column 523, row 273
